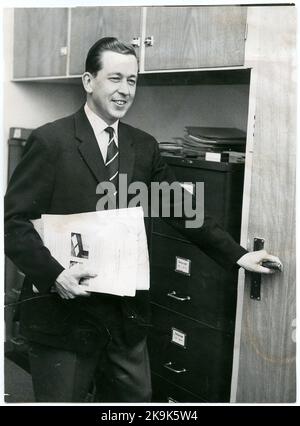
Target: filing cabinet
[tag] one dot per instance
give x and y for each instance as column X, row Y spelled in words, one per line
column 15, row 345
column 193, row 298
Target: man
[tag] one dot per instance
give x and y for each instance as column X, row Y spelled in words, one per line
column 72, row 332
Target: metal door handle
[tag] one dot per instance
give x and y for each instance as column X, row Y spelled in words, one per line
column 173, row 295
column 255, row 277
column 169, row 364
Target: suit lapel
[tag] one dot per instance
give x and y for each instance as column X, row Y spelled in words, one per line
column 126, row 151
column 88, row 146
column 91, row 153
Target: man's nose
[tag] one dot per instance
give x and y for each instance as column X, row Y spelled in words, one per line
column 123, row 87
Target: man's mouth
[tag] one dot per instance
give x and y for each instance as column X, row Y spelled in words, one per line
column 119, row 102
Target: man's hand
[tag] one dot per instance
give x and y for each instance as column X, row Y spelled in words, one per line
column 67, row 283
column 253, row 262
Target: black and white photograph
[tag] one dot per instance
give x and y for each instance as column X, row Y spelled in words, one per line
column 185, row 115
column 79, row 246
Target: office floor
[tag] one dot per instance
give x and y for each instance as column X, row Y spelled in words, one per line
column 18, row 386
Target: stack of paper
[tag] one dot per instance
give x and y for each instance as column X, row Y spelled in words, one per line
column 112, row 243
column 214, row 139
column 174, row 147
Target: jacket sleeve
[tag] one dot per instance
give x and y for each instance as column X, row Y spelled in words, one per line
column 210, row 237
column 28, row 196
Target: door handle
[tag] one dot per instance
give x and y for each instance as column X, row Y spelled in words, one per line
column 255, row 277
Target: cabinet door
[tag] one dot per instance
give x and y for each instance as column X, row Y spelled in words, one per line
column 195, row 37
column 265, row 347
column 39, row 36
column 88, row 24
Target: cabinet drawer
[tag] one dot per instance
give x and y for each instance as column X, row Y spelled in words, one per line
column 165, row 391
column 187, row 281
column 223, row 189
column 191, row 355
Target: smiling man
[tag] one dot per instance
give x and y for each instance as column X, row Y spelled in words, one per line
column 73, row 334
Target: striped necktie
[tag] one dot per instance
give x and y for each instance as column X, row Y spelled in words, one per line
column 112, row 159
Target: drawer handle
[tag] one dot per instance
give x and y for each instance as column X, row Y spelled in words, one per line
column 18, row 341
column 173, row 295
column 169, row 364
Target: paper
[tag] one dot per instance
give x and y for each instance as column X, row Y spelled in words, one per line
column 112, row 243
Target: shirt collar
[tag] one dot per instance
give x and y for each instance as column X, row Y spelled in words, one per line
column 97, row 123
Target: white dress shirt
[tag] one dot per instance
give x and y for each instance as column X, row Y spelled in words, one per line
column 99, row 127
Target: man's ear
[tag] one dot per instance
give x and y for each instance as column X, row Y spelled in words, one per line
column 87, row 81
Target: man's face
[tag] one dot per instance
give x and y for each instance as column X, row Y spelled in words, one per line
column 113, row 88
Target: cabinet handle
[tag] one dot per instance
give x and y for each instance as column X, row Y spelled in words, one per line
column 136, row 42
column 149, row 41
column 169, row 364
column 173, row 295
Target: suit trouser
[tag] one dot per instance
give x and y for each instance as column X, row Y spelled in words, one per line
column 63, row 376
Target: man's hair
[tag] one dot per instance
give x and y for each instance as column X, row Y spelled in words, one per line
column 93, row 62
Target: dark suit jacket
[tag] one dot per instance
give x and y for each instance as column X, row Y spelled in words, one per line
column 58, row 174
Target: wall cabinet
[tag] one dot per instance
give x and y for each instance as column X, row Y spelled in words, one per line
column 165, row 37
column 195, row 37
column 40, row 42
column 88, row 24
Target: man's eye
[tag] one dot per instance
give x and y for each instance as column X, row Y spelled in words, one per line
column 115, row 79
column 132, row 82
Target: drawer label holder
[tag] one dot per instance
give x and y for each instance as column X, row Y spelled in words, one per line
column 178, row 337
column 183, row 266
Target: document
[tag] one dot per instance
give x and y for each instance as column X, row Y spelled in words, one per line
column 112, row 243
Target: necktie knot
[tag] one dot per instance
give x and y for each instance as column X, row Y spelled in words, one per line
column 110, row 131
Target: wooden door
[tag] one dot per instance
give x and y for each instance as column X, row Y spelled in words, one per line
column 88, row 24
column 40, row 41
column 195, row 37
column 264, row 367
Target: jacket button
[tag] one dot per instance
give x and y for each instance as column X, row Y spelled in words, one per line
column 132, row 316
